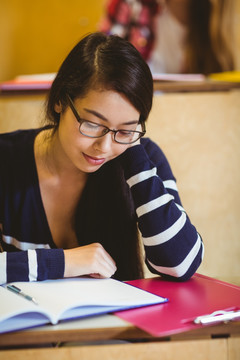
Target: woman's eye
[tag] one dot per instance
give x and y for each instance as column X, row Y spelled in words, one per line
column 125, row 133
column 90, row 125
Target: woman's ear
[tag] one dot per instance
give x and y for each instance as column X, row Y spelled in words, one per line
column 58, row 107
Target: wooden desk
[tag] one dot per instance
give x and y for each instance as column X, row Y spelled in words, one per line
column 159, row 85
column 74, row 340
column 194, row 86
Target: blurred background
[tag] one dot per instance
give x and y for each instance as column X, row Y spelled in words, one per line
column 35, row 36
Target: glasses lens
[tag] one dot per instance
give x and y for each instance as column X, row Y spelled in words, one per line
column 127, row 137
column 91, row 129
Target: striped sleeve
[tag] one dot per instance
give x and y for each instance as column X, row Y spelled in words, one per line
column 31, row 265
column 172, row 244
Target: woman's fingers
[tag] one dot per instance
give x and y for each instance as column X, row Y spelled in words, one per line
column 90, row 260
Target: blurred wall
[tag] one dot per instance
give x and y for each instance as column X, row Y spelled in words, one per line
column 35, row 36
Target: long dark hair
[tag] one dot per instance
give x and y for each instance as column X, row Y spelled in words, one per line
column 106, row 212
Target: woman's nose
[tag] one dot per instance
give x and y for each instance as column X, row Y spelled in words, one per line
column 104, row 143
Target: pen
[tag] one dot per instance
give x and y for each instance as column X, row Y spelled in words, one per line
column 18, row 291
column 217, row 316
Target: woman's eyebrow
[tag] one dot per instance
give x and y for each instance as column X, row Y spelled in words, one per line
column 102, row 117
column 97, row 114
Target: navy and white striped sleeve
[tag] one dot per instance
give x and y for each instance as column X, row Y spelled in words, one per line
column 23, row 257
column 172, row 245
column 31, row 265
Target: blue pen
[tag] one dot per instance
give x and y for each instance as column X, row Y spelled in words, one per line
column 18, row 291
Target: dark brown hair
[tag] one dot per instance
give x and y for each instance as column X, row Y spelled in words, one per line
column 106, row 62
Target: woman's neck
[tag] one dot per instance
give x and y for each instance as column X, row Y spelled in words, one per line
column 52, row 159
column 61, row 188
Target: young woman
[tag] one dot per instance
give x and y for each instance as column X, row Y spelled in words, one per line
column 76, row 194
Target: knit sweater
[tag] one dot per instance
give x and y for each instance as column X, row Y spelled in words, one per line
column 172, row 245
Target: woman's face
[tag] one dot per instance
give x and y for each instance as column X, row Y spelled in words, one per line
column 104, row 107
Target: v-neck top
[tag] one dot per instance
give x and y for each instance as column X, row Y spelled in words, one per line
column 22, row 215
column 172, row 244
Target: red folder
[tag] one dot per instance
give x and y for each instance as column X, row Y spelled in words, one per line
column 201, row 295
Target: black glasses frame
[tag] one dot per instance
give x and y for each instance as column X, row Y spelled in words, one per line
column 81, row 121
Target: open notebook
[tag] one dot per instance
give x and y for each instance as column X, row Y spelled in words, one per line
column 66, row 299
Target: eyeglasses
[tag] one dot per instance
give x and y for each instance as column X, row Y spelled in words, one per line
column 93, row 130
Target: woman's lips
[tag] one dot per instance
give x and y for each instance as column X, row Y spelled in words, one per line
column 94, row 161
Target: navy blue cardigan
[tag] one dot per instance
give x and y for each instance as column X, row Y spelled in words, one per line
column 172, row 245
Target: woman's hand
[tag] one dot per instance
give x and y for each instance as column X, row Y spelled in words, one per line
column 92, row 260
